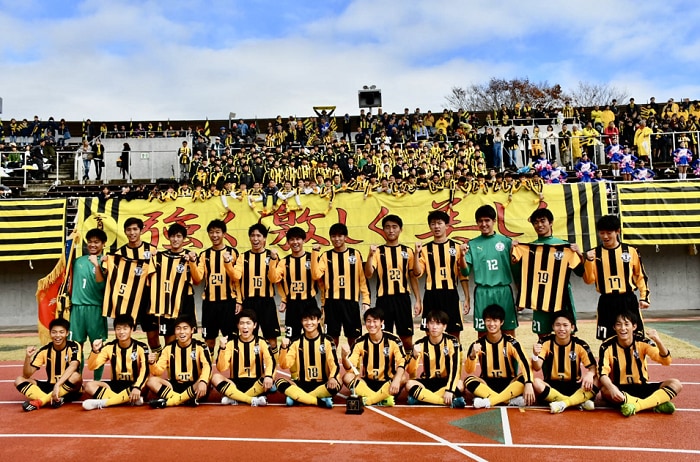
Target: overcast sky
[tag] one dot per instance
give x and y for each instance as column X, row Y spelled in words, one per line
column 191, row 59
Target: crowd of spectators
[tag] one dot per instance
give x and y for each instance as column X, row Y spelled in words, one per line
column 399, row 153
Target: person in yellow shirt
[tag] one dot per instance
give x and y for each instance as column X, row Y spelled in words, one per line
column 642, row 140
column 576, row 137
column 590, row 140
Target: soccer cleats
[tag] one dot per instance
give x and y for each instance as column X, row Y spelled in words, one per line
column 665, row 408
column 481, row 403
column 259, row 401
column 158, row 403
column 228, row 401
column 32, row 405
column 92, row 404
column 458, row 403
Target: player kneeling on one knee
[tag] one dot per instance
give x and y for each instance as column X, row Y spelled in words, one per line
column 313, row 362
column 441, row 356
column 382, row 357
column 251, row 362
column 498, row 382
column 561, row 356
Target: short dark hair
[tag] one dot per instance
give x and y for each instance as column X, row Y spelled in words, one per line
column 124, row 320
column 494, row 312
column 629, row 315
column 218, row 224
column 376, row 313
column 311, row 312
column 568, row 315
column 262, row 229
column 133, row 221
column 438, row 215
column 59, row 322
column 608, row 223
column 392, row 219
column 177, row 228
column 187, row 319
column 296, row 232
column 338, row 229
column 247, row 313
column 98, row 233
column 485, row 211
column 437, row 316
column 541, row 213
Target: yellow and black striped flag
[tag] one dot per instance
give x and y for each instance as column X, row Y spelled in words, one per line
column 207, row 132
column 584, row 204
column 660, row 213
column 32, row 230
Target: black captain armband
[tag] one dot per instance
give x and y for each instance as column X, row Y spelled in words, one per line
column 668, row 353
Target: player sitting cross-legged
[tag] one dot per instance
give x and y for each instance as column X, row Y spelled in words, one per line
column 561, row 357
column 312, row 362
column 441, row 356
column 250, row 361
column 127, row 358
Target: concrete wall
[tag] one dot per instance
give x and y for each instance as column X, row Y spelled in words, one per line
column 673, row 279
column 150, row 159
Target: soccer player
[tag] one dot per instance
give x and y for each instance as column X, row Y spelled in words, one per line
column 170, row 280
column 488, row 257
column 394, row 263
column 127, row 271
column 547, row 264
column 568, row 366
column 257, row 290
column 506, row 375
column 87, row 295
column 250, row 361
column 296, row 286
column 617, row 270
column 313, row 363
column 215, row 267
column 622, row 367
column 441, row 260
column 344, row 283
column 188, row 366
column 62, row 360
column 127, row 357
column 379, row 358
column 441, row 356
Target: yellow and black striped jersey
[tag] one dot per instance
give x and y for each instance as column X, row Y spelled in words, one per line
column 252, row 271
column 128, row 364
column 501, row 360
column 218, row 274
column 440, row 360
column 394, row 267
column 378, row 361
column 191, row 363
column 311, row 359
column 343, row 275
column 169, row 280
column 250, row 360
column 628, row 365
column 57, row 361
column 562, row 363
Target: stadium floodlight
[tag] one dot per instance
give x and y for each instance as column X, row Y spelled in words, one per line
column 370, row 96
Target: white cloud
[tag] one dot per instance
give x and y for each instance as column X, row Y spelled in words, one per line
column 186, row 60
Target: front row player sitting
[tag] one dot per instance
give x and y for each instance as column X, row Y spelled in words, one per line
column 500, row 357
column 560, row 356
column 623, row 369
column 62, row 360
column 188, row 365
column 441, row 356
column 380, row 357
column 313, row 363
column 252, row 365
column 127, row 358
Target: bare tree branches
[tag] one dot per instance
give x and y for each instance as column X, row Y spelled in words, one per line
column 490, row 96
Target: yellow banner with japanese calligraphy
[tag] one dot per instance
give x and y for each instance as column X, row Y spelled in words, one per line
column 575, row 207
